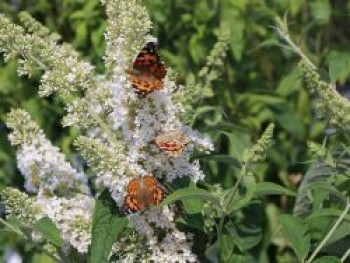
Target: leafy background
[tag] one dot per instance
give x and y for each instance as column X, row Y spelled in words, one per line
column 259, row 84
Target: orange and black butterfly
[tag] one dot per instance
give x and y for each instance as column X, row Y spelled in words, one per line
column 172, row 143
column 142, row 193
column 148, row 71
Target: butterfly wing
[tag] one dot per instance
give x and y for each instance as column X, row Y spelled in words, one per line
column 130, row 205
column 131, row 201
column 142, row 193
column 155, row 193
column 172, row 143
column 144, row 84
column 148, row 71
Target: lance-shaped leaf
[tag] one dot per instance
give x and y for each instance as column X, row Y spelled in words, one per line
column 190, row 193
column 107, row 225
column 298, row 234
column 49, row 230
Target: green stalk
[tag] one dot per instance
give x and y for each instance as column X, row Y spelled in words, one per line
column 345, row 256
column 330, row 233
column 231, row 194
column 283, row 32
column 229, row 199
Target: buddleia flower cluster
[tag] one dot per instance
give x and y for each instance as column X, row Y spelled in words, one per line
column 118, row 130
column 331, row 104
column 61, row 192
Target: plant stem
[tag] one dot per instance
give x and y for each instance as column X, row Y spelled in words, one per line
column 231, row 194
column 330, row 233
column 282, row 30
column 345, row 256
column 221, row 225
column 229, row 200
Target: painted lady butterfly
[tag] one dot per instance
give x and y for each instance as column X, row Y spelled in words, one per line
column 142, row 193
column 148, row 71
column 172, row 143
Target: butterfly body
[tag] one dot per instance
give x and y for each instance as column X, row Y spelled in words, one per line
column 148, row 71
column 142, row 193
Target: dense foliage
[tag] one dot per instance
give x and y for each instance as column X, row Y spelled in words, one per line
column 268, row 196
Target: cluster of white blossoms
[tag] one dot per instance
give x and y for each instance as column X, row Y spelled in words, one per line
column 118, row 129
column 46, row 171
column 141, row 120
column 157, row 116
column 73, row 217
column 62, row 193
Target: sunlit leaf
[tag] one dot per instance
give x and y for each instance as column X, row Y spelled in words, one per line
column 298, row 234
column 49, row 231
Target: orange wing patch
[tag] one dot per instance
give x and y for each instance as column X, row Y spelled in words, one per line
column 142, row 193
column 148, row 71
column 173, row 143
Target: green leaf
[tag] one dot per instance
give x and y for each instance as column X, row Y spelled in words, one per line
column 327, row 259
column 237, row 37
column 13, row 224
column 49, row 231
column 268, row 188
column 81, row 34
column 241, row 258
column 212, row 252
column 290, row 83
column 325, row 186
column 318, row 197
column 190, row 193
column 239, row 141
column 227, row 245
column 328, row 212
column 322, row 190
column 318, row 172
column 195, row 43
column 295, row 6
column 321, row 221
column 298, row 234
column 321, row 10
column 245, row 237
column 194, row 221
column 225, row 126
column 220, row 158
column 107, row 225
column 193, row 206
column 339, row 66
column 297, row 129
column 41, row 258
column 233, row 14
